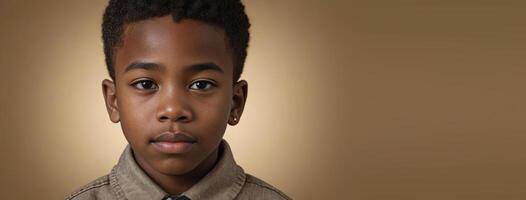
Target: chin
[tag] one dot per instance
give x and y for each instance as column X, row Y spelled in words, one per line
column 175, row 167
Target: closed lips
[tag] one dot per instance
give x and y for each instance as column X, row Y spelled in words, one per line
column 174, row 137
column 174, row 143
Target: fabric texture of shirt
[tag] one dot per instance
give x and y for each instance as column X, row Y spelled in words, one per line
column 226, row 181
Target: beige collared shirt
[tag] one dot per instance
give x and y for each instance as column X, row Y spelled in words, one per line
column 226, row 181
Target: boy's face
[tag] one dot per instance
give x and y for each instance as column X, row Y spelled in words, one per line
column 173, row 92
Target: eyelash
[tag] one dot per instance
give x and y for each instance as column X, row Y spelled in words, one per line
column 140, row 85
column 209, row 84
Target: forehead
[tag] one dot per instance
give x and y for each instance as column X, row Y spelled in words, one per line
column 164, row 41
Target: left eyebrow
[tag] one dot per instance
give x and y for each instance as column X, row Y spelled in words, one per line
column 143, row 65
column 203, row 67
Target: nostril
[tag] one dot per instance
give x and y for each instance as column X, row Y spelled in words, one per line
column 183, row 118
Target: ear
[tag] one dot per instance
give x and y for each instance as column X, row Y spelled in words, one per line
column 239, row 97
column 110, row 97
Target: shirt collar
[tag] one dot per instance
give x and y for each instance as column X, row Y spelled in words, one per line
column 224, row 181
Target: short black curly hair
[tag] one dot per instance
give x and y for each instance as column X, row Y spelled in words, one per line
column 227, row 14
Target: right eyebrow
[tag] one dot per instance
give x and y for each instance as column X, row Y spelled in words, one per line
column 142, row 65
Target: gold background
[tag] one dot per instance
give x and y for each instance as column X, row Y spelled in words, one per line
column 363, row 99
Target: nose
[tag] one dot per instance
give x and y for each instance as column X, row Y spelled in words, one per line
column 173, row 106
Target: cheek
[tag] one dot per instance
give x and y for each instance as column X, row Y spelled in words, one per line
column 214, row 113
column 136, row 115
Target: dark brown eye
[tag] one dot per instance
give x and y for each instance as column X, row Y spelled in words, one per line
column 201, row 85
column 145, row 85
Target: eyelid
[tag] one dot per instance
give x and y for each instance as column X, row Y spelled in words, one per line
column 135, row 82
column 211, row 82
column 205, row 80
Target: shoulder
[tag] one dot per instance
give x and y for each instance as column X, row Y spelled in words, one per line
column 97, row 189
column 256, row 188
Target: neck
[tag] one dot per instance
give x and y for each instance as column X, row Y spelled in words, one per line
column 177, row 184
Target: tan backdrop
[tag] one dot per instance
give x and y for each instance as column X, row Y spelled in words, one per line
column 354, row 99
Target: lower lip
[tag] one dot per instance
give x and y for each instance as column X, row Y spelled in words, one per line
column 173, row 147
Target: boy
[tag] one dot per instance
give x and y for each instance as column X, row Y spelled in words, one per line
column 175, row 68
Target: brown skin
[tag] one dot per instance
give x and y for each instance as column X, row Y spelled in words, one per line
column 148, row 101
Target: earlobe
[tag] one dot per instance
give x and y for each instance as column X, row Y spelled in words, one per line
column 239, row 98
column 110, row 99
